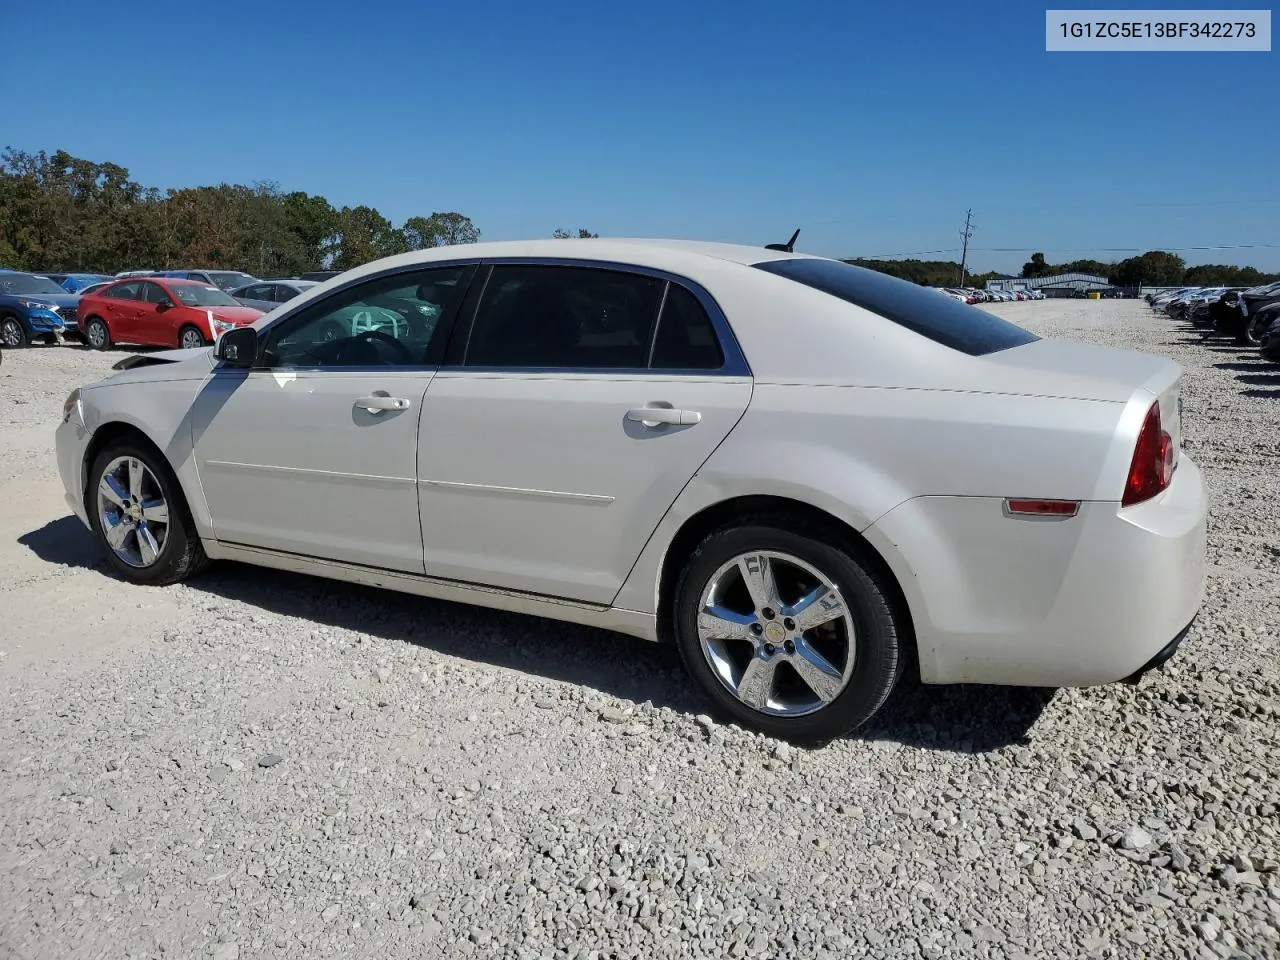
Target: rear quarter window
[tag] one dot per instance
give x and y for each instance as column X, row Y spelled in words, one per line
column 926, row 312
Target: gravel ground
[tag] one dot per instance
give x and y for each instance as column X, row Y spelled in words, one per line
column 265, row 765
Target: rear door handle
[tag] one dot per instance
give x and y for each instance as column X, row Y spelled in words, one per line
column 652, row 416
column 378, row 404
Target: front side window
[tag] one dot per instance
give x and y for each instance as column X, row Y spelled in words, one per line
column 388, row 321
column 572, row 318
column 153, row 293
column 949, row 322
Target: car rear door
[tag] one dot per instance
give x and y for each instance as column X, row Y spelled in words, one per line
column 152, row 325
column 314, row 451
column 565, row 429
column 121, row 306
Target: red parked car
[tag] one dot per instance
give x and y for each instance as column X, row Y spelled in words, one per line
column 159, row 311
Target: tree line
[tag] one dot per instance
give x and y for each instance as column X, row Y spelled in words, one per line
column 1155, row 268
column 61, row 213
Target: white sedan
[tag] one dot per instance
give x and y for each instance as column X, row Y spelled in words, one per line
column 808, row 476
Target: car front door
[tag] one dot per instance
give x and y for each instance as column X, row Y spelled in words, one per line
column 155, row 317
column 563, row 429
column 314, row 450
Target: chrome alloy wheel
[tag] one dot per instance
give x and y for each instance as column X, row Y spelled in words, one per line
column 97, row 333
column 132, row 512
column 192, row 338
column 11, row 332
column 777, row 633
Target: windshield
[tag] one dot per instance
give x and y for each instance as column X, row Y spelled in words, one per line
column 949, row 322
column 230, row 279
column 194, row 296
column 26, row 283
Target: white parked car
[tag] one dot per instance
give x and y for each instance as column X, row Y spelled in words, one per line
column 808, row 476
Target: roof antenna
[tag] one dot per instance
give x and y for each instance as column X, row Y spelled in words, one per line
column 788, row 247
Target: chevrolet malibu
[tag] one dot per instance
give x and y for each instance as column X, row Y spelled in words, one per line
column 807, row 476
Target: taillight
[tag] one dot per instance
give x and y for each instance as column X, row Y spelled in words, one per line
column 1152, row 465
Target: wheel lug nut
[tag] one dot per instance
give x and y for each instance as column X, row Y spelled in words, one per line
column 790, row 646
column 789, row 623
column 757, row 629
column 768, row 613
column 769, row 648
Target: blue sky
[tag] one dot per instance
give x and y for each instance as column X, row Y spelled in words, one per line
column 871, row 126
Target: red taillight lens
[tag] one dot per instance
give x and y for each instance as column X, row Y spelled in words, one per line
column 1152, row 465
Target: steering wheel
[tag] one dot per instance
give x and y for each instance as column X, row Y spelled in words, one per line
column 405, row 354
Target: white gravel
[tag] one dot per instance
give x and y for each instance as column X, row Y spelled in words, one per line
column 265, row 765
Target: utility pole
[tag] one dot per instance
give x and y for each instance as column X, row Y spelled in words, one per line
column 966, row 233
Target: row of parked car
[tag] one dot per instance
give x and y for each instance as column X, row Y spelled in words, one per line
column 165, row 308
column 1250, row 316
column 973, row 295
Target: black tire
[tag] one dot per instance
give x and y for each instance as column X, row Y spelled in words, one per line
column 879, row 627
column 1250, row 332
column 182, row 555
column 92, row 328
column 12, row 333
column 182, row 335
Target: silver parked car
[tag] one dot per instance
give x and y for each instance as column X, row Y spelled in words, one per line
column 266, row 295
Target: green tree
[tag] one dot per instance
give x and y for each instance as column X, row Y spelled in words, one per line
column 439, row 230
column 364, row 235
column 1036, row 267
column 1155, row 268
column 583, row 234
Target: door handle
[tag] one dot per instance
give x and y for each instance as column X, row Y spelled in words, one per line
column 378, row 404
column 652, row 416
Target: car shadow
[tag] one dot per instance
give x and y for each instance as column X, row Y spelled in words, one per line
column 962, row 719
column 1260, row 379
column 1262, row 394
column 1260, row 364
column 66, row 543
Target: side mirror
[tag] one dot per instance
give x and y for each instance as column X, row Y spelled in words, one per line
column 238, row 347
column 164, row 304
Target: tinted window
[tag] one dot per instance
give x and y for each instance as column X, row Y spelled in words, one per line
column 949, row 322
column 260, row 291
column 388, row 321
column 686, row 340
column 153, row 293
column 564, row 317
column 125, row 291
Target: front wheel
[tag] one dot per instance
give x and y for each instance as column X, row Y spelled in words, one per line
column 787, row 633
column 13, row 334
column 139, row 514
column 189, row 338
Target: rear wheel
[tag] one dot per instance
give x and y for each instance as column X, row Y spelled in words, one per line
column 787, row 633
column 139, row 514
column 12, row 333
column 189, row 338
column 97, row 334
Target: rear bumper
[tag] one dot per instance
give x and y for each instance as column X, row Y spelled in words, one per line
column 1089, row 600
column 1164, row 655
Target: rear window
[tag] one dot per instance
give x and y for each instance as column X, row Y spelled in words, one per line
column 941, row 319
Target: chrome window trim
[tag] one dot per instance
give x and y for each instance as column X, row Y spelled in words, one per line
column 735, row 362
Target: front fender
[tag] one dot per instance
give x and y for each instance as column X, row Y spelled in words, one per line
column 161, row 412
